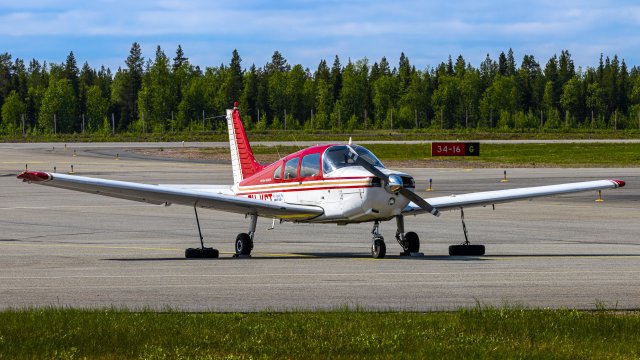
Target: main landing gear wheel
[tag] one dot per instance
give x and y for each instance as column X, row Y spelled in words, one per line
column 378, row 248
column 412, row 242
column 201, row 253
column 243, row 244
column 466, row 250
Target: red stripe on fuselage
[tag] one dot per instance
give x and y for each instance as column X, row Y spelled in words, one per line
column 303, row 189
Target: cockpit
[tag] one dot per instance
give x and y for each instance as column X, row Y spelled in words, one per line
column 337, row 157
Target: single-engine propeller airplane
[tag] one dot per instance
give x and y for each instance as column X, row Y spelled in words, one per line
column 336, row 183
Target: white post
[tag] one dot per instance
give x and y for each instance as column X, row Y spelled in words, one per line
column 83, row 123
column 22, row 124
column 365, row 119
column 113, row 125
column 466, row 118
column 490, row 118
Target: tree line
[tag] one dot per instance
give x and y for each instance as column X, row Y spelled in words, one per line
column 163, row 94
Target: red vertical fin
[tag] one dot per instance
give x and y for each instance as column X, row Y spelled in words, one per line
column 242, row 160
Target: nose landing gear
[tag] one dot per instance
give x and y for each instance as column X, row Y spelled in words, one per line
column 378, row 247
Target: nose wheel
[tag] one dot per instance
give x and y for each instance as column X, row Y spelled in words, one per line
column 378, row 247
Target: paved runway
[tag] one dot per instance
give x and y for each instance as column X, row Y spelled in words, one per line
column 66, row 248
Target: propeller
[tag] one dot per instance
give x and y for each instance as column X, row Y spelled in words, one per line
column 394, row 182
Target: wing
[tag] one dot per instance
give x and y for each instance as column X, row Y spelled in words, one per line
column 218, row 198
column 453, row 202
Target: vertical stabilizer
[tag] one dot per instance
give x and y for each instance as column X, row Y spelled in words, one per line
column 243, row 162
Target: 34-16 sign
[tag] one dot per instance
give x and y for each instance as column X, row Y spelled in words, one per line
column 455, row 149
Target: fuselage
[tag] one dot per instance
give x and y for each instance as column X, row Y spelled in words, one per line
column 324, row 176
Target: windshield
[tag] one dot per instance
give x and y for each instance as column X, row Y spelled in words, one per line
column 335, row 157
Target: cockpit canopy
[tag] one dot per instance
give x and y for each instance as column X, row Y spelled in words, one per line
column 336, row 157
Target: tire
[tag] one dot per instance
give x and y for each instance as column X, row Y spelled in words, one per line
column 466, row 250
column 201, row 253
column 378, row 248
column 243, row 244
column 412, row 242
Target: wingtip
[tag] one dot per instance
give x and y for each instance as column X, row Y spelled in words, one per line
column 34, row 176
column 619, row 183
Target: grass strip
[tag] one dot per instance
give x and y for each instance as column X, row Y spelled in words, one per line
column 492, row 155
column 221, row 134
column 526, row 155
column 469, row 333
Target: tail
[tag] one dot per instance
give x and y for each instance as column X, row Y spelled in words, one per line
column 243, row 162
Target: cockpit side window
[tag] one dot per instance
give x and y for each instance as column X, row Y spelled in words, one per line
column 291, row 169
column 310, row 165
column 277, row 174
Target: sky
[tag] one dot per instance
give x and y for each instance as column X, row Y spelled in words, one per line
column 101, row 32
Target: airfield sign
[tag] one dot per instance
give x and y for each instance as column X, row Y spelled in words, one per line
column 455, row 149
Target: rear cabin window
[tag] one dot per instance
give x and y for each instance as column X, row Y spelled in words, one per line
column 278, row 173
column 291, row 169
column 310, row 165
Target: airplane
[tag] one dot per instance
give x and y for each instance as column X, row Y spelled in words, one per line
column 330, row 184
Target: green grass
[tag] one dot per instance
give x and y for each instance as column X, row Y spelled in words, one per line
column 472, row 333
column 510, row 155
column 327, row 135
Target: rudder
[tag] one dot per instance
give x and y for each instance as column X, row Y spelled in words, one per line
column 243, row 162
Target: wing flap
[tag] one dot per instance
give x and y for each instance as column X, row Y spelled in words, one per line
column 215, row 198
column 452, row 202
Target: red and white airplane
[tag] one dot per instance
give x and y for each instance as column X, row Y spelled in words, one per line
column 337, row 183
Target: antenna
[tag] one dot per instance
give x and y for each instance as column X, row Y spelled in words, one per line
column 296, row 142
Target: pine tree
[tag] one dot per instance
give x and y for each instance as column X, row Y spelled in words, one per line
column 336, row 78
column 132, row 85
column 234, row 89
column 179, row 59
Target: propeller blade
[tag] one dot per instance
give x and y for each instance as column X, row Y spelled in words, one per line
column 415, row 198
column 357, row 159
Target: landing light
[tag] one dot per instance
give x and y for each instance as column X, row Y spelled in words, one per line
column 395, row 184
